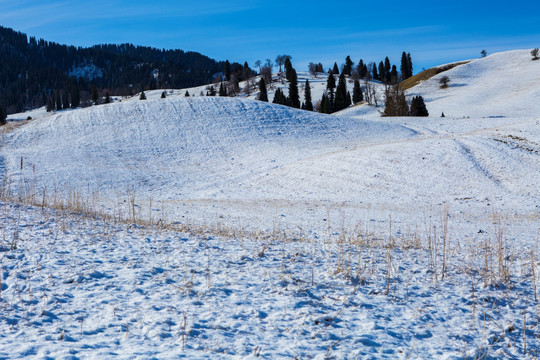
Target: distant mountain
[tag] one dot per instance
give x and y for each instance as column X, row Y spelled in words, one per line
column 32, row 69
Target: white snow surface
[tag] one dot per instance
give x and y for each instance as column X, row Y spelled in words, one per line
column 349, row 236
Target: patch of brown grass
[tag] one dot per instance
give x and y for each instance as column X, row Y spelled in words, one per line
column 427, row 74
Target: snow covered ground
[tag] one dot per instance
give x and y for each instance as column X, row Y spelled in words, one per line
column 304, row 235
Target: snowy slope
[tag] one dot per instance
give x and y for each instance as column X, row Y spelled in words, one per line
column 349, row 236
column 501, row 84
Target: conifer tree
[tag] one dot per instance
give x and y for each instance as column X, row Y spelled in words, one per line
column 324, row 105
column 341, row 93
column 222, row 90
column 50, row 103
column 308, row 105
column 335, row 69
column 387, row 67
column 186, row 94
column 294, row 97
column 395, row 104
column 279, row 97
column 418, row 107
column 360, row 69
column 409, row 65
column 163, row 94
column 348, row 66
column 263, row 94
column 212, row 91
column 107, row 98
column 95, row 96
column 227, row 71
column 394, row 77
column 65, row 100
column 330, row 86
column 357, row 93
column 143, row 96
column 58, row 100
column 404, row 66
column 75, row 97
column 374, row 73
column 3, row 116
column 381, row 72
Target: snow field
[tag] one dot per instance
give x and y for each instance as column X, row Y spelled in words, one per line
column 79, row 287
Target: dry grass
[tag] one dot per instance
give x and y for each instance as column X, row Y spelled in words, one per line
column 427, row 74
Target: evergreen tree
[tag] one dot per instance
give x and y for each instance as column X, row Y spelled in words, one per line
column 263, row 94
column 381, row 72
column 360, row 69
column 335, row 70
column 212, row 91
column 75, row 97
column 143, row 96
column 387, row 67
column 107, row 98
column 279, row 97
column 348, row 101
column 348, row 66
column 186, row 94
column 289, row 70
column 294, row 97
column 222, row 90
column 50, row 103
column 341, row 93
column 330, row 86
column 58, row 100
column 357, row 93
column 324, row 105
column 394, row 77
column 404, row 66
column 95, row 96
column 308, row 105
column 163, row 94
column 227, row 71
column 409, row 65
column 374, row 73
column 3, row 116
column 65, row 100
column 418, row 107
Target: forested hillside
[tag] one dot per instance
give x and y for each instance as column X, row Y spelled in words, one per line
column 32, row 70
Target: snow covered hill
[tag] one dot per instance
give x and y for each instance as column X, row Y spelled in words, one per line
column 349, row 235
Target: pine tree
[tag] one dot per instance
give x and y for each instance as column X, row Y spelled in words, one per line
column 394, row 77
column 95, row 96
column 263, row 94
column 227, row 71
column 75, row 97
column 65, row 100
column 387, row 67
column 324, row 105
column 212, row 91
column 360, row 69
column 381, row 72
column 347, row 69
column 348, row 101
column 50, row 103
column 357, row 93
column 3, row 116
column 222, row 90
column 279, row 97
column 341, row 93
column 335, row 70
column 163, row 94
column 418, row 107
column 374, row 73
column 294, row 97
column 143, row 96
column 288, row 70
column 330, row 86
column 58, row 100
column 186, row 94
column 308, row 105
column 107, row 98
column 404, row 66
column 409, row 65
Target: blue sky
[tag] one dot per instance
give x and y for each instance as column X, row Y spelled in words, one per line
column 433, row 32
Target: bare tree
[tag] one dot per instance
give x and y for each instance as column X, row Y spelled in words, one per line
column 312, row 69
column 266, row 73
column 534, row 53
column 280, row 60
column 258, row 64
column 444, row 81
